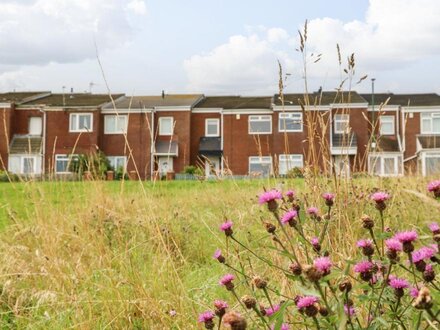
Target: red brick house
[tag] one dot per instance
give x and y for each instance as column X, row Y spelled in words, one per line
column 340, row 133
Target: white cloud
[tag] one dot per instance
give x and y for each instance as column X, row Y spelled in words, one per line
column 44, row 31
column 138, row 7
column 395, row 34
column 245, row 63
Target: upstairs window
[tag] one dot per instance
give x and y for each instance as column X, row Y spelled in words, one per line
column 166, row 125
column 81, row 122
column 430, row 123
column 290, row 122
column 342, row 124
column 386, row 125
column 260, row 124
column 115, row 124
column 212, row 127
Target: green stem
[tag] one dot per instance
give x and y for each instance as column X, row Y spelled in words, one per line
column 384, row 284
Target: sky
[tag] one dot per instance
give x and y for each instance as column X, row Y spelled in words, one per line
column 217, row 47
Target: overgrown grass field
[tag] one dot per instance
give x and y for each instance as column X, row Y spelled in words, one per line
column 97, row 255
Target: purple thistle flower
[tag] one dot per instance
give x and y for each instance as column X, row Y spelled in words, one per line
column 364, row 243
column 218, row 256
column 314, row 241
column 393, row 245
column 312, row 211
column 349, row 310
column 270, row 311
column 323, row 264
column 434, row 186
column 290, row 193
column 363, row 267
column 206, row 316
column 329, row 198
column 220, row 304
column 226, row 227
column 269, row 196
column 284, row 326
column 289, row 216
column 434, row 227
column 306, row 301
column 414, row 292
column 398, row 283
column 423, row 253
column 380, row 197
column 227, row 281
column 406, row 236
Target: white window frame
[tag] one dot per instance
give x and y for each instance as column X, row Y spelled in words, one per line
column 398, row 166
column 114, row 159
column 22, row 162
column 258, row 118
column 117, row 119
column 260, row 160
column 424, row 155
column 212, row 120
column 290, row 115
column 429, row 117
column 290, row 159
column 69, row 159
column 387, row 120
column 74, row 118
column 161, row 132
column 341, row 118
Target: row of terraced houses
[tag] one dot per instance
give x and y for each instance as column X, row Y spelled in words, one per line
column 344, row 133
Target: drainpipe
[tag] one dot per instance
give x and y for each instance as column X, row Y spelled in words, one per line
column 221, row 141
column 152, row 145
column 373, row 114
column 43, row 161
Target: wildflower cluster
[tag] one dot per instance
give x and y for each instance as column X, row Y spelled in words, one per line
column 391, row 280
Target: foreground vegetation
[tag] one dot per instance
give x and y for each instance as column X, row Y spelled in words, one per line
column 139, row 255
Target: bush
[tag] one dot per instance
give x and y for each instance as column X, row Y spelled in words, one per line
column 295, row 172
column 8, row 177
column 95, row 163
column 190, row 169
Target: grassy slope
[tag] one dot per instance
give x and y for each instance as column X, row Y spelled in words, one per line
column 99, row 254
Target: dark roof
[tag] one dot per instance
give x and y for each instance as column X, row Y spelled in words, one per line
column 236, row 102
column 429, row 141
column 210, row 146
column 74, row 100
column 19, row 97
column 388, row 143
column 25, row 145
column 324, row 98
column 404, row 99
column 166, row 148
column 171, row 100
column 344, row 140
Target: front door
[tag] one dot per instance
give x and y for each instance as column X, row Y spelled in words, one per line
column 165, row 165
column 35, row 126
column 212, row 166
column 341, row 166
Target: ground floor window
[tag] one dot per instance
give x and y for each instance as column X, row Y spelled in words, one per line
column 260, row 165
column 24, row 164
column 385, row 164
column 63, row 163
column 430, row 163
column 117, row 162
column 288, row 162
column 341, row 165
column 165, row 164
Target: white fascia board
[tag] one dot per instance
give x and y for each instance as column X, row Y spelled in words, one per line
column 378, row 108
column 126, row 111
column 311, row 107
column 173, row 108
column 247, row 111
column 435, row 108
column 5, row 105
column 207, row 110
column 348, row 105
